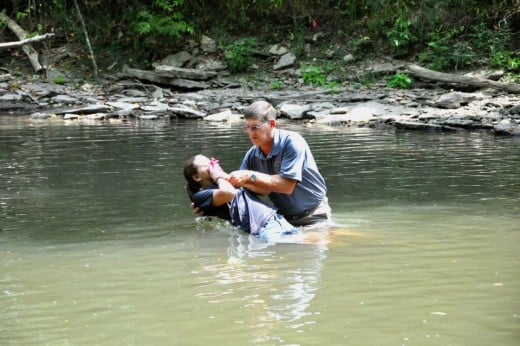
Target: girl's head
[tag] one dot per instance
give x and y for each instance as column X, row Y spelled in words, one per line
column 196, row 174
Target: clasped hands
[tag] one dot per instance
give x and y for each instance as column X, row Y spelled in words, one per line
column 236, row 178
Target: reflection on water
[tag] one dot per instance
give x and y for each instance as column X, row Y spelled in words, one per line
column 98, row 244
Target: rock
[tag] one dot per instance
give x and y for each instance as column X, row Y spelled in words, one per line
column 348, row 58
column 278, row 50
column 4, row 77
column 413, row 125
column 507, row 128
column 459, row 122
column 123, row 105
column 329, row 53
column 455, row 99
column 320, row 106
column 175, row 60
column 317, row 36
column 70, row 117
column 11, row 97
column 209, row 64
column 339, row 110
column 184, row 73
column 514, row 110
column 293, row 111
column 146, row 116
column 224, row 116
column 39, row 115
column 134, row 93
column 64, row 99
column 96, row 116
column 285, row 61
column 187, row 112
column 85, row 110
column 207, row 45
column 155, row 106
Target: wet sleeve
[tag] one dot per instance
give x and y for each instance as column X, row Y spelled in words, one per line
column 204, row 200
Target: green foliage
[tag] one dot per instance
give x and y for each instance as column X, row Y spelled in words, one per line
column 239, row 54
column 316, row 76
column 447, row 51
column 162, row 19
column 361, row 44
column 507, row 60
column 21, row 15
column 60, row 80
column 462, row 46
column 400, row 36
column 313, row 75
column 448, row 34
column 277, row 85
column 400, row 81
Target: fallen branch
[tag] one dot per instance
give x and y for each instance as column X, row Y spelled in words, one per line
column 15, row 44
column 425, row 73
column 31, row 53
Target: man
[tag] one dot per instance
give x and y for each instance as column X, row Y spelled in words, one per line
column 280, row 164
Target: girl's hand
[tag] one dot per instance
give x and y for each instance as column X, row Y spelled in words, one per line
column 215, row 171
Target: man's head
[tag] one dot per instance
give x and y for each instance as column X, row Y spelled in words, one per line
column 260, row 110
column 260, row 119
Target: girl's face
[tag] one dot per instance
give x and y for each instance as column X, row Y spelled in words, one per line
column 202, row 177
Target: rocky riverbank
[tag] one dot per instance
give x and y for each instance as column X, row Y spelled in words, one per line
column 376, row 106
column 150, row 95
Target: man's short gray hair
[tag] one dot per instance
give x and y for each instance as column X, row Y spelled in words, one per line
column 261, row 110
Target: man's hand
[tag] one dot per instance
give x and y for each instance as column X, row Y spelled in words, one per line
column 239, row 178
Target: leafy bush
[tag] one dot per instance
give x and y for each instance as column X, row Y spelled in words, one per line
column 400, row 36
column 239, row 54
column 506, row 60
column 60, row 80
column 448, row 51
column 313, row 75
column 400, row 81
column 277, row 85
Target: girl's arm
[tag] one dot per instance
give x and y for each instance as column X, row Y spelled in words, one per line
column 225, row 192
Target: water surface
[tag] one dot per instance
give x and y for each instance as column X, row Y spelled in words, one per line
column 98, row 244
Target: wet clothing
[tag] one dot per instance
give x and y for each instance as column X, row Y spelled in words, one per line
column 291, row 158
column 247, row 212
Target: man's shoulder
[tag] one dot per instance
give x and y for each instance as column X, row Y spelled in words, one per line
column 288, row 136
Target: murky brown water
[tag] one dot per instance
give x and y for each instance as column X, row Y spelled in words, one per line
column 98, row 244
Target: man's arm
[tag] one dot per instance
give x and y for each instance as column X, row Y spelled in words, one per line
column 262, row 183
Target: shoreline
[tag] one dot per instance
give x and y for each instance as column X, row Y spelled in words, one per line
column 419, row 109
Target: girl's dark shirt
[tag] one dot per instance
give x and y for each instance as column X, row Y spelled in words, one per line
column 246, row 210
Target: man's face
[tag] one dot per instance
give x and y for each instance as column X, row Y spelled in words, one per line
column 259, row 132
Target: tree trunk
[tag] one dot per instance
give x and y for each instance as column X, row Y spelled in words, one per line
column 31, row 53
column 89, row 46
column 425, row 73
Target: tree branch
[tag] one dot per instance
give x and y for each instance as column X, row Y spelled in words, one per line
column 15, row 44
column 31, row 53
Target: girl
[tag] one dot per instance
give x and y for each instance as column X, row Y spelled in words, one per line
column 210, row 191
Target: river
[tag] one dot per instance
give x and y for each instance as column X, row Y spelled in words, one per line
column 98, row 243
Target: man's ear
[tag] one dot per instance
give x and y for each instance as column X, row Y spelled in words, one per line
column 272, row 123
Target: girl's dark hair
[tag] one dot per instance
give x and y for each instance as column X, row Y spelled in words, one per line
column 189, row 171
